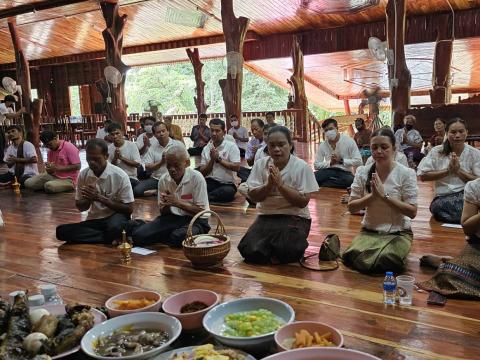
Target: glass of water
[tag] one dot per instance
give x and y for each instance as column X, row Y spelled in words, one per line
column 405, row 289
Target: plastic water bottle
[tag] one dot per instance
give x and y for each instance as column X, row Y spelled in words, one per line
column 49, row 291
column 389, row 288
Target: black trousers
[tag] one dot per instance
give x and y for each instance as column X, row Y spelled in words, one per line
column 334, row 178
column 104, row 230
column 244, row 173
column 7, row 177
column 242, row 152
column 220, row 192
column 168, row 229
column 195, row 151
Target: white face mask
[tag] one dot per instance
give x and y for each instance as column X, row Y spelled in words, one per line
column 331, row 134
column 148, row 128
column 234, row 123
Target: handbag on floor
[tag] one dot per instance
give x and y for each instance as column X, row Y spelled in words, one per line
column 327, row 256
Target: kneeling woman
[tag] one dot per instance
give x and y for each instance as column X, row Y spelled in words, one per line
column 460, row 276
column 281, row 185
column 387, row 191
column 450, row 165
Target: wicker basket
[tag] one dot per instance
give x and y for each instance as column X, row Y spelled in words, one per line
column 202, row 257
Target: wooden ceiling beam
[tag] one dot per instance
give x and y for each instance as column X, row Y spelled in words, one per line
column 36, row 6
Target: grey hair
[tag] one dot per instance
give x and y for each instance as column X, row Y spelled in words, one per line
column 177, row 150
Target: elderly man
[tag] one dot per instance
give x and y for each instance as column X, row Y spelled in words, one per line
column 104, row 191
column 336, row 157
column 409, row 140
column 182, row 193
column 62, row 166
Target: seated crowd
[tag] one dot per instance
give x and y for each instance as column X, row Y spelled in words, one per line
column 275, row 179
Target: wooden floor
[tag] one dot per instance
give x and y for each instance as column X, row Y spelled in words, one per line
column 30, row 256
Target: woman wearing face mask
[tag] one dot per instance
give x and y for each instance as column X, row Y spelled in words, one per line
column 240, row 134
column 336, row 158
column 281, row 184
column 451, row 165
column 387, row 191
column 144, row 141
column 409, row 140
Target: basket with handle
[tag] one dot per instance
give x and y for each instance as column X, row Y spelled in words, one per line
column 206, row 256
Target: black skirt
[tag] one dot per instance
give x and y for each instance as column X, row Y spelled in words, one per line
column 275, row 238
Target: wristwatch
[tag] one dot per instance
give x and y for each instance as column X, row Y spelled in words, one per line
column 386, row 196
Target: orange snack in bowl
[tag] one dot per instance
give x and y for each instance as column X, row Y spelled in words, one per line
column 132, row 304
column 304, row 339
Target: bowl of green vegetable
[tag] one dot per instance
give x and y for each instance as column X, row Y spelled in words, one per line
column 248, row 323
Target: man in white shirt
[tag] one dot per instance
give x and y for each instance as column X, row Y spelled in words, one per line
column 102, row 132
column 182, row 193
column 144, row 141
column 105, row 192
column 123, row 153
column 154, row 160
column 6, row 115
column 336, row 158
column 240, row 134
column 220, row 161
column 409, row 141
column 20, row 156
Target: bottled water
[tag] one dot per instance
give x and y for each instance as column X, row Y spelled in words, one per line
column 389, row 288
column 49, row 291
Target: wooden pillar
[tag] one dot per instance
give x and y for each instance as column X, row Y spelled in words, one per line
column 299, row 97
column 114, row 96
column 32, row 123
column 234, row 30
column 400, row 94
column 346, row 105
column 199, row 100
column 441, row 94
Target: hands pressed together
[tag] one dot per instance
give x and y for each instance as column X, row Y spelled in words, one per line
column 454, row 166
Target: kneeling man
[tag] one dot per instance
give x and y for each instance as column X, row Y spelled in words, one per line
column 104, row 191
column 182, row 193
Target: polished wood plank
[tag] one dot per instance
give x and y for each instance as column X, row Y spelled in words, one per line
column 30, row 255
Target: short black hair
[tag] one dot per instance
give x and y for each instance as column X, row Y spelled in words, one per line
column 329, row 121
column 217, row 121
column 258, row 121
column 145, row 118
column 97, row 143
column 114, row 126
column 46, row 136
column 159, row 123
column 203, row 116
column 14, row 127
column 360, row 119
column 233, row 115
column 270, row 113
column 9, row 98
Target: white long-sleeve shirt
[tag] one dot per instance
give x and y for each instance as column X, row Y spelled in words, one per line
column 345, row 148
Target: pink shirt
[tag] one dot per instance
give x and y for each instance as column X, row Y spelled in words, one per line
column 66, row 154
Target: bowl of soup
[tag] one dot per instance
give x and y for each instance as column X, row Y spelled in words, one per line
column 248, row 323
column 131, row 337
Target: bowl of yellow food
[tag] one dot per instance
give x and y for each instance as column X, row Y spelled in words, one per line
column 306, row 334
column 133, row 302
column 322, row 354
column 207, row 351
column 248, row 323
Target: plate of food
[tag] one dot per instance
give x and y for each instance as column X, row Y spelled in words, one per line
column 51, row 330
column 207, row 351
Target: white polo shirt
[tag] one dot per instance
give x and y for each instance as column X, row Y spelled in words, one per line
column 436, row 161
column 101, row 133
column 261, row 153
column 4, row 110
column 155, row 154
column 192, row 188
column 114, row 183
column 345, row 148
column 139, row 142
column 227, row 151
column 129, row 151
column 242, row 133
column 297, row 174
column 28, row 152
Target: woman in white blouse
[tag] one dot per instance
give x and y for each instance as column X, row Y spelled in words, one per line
column 460, row 276
column 281, row 185
column 387, row 191
column 450, row 165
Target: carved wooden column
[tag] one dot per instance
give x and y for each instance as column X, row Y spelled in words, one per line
column 400, row 94
column 234, row 30
column 199, row 100
column 299, row 96
column 441, row 94
column 113, row 37
column 32, row 123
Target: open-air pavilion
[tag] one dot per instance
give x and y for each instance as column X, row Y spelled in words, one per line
column 316, row 49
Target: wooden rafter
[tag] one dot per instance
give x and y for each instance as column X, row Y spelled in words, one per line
column 35, row 6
